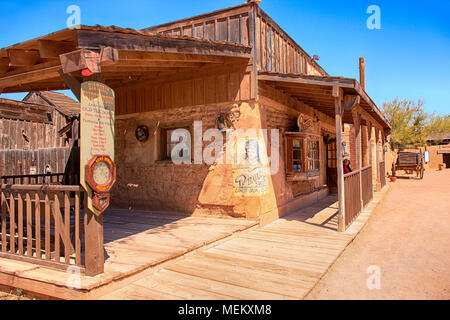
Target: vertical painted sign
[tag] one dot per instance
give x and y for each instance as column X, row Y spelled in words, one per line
column 249, row 173
column 97, row 127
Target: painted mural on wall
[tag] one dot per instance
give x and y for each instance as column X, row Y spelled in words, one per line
column 249, row 173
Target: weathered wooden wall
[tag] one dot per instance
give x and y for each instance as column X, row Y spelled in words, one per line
column 38, row 134
column 19, row 162
column 231, row 25
column 274, row 49
column 278, row 52
column 29, row 138
column 217, row 88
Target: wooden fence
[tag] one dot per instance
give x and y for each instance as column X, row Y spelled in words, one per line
column 382, row 173
column 67, row 178
column 352, row 192
column 23, row 162
column 44, row 224
column 366, row 182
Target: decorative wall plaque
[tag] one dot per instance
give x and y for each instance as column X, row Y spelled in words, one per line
column 142, row 133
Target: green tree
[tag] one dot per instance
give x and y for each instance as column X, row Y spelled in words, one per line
column 411, row 125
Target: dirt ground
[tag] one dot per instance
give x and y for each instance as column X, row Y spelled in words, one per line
column 407, row 239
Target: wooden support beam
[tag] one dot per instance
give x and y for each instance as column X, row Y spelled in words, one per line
column 175, row 57
column 368, row 117
column 168, row 64
column 377, row 157
column 39, row 72
column 338, row 94
column 87, row 59
column 73, row 83
column 94, row 246
column 94, row 40
column 80, row 60
column 4, row 65
column 351, row 100
column 23, row 58
column 50, row 49
column 357, row 126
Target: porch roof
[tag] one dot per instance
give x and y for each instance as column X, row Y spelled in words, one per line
column 317, row 92
column 34, row 65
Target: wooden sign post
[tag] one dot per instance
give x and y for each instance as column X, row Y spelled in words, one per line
column 96, row 143
column 97, row 131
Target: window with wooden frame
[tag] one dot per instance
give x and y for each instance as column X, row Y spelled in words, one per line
column 332, row 161
column 302, row 156
column 168, row 141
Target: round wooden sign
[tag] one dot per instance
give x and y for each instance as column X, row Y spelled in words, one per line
column 101, row 173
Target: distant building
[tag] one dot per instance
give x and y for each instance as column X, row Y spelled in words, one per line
column 36, row 133
column 438, row 146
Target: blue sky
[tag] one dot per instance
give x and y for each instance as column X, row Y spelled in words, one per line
column 408, row 57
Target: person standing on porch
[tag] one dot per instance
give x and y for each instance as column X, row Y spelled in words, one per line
column 347, row 168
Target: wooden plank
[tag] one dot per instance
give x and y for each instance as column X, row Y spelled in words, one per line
column 37, row 214
column 20, row 223
column 94, row 40
column 53, row 49
column 12, row 224
column 262, row 281
column 77, row 230
column 234, row 291
column 67, row 248
column 23, row 58
column 57, row 219
column 4, row 212
column 47, row 227
column 94, row 257
column 29, row 222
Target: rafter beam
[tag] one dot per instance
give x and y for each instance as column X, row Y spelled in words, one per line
column 50, row 49
column 40, row 72
column 4, row 65
column 23, row 58
column 168, row 56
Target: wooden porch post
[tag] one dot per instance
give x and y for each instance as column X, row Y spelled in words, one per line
column 93, row 239
column 377, row 155
column 357, row 126
column 338, row 95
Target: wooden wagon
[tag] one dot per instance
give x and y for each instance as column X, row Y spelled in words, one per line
column 409, row 162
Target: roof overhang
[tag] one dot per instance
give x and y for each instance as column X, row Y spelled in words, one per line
column 35, row 65
column 317, row 91
column 20, row 110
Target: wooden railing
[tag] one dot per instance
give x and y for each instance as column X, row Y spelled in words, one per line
column 366, row 182
column 43, row 224
column 48, row 178
column 382, row 169
column 352, row 192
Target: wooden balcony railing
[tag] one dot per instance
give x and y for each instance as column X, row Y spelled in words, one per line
column 48, row 178
column 382, row 168
column 366, row 181
column 352, row 193
column 44, row 224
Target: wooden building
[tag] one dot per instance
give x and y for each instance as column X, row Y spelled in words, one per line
column 36, row 134
column 235, row 63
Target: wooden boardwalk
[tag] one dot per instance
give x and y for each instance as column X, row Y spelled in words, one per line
column 134, row 242
column 283, row 260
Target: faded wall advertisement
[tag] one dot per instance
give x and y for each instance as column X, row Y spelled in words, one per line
column 249, row 173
